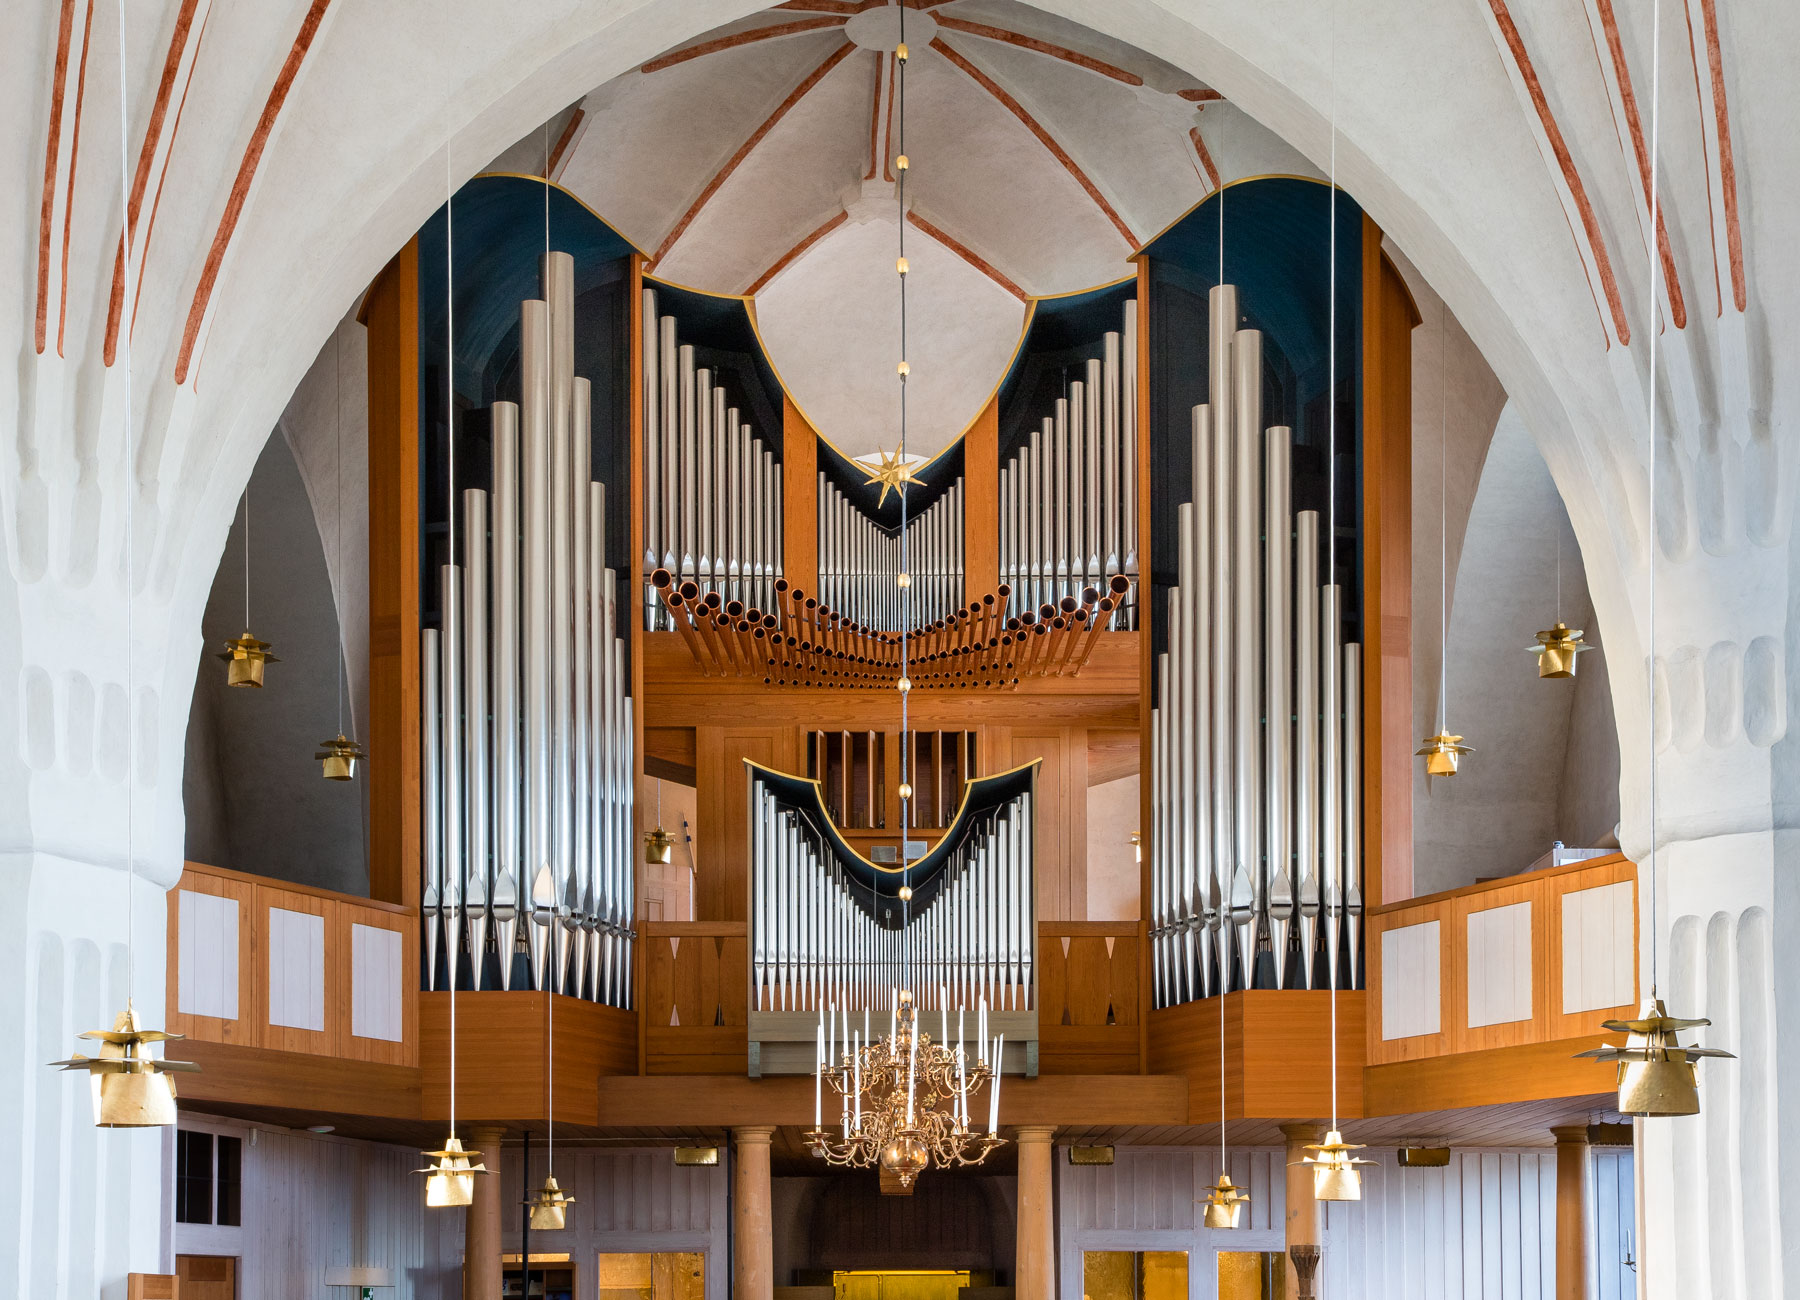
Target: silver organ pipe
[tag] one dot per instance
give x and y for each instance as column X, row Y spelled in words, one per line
column 1256, row 733
column 822, row 936
column 712, row 488
column 1068, row 508
column 859, row 560
column 527, row 725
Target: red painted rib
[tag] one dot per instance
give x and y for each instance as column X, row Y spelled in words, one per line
column 240, row 187
column 736, row 39
column 798, row 93
column 1013, row 106
column 1634, row 125
column 1036, row 46
column 1734, row 235
column 62, row 306
column 1201, row 96
column 562, row 142
column 781, row 263
column 184, row 22
column 52, row 143
column 1596, row 239
column 874, row 121
column 1212, row 172
column 887, row 152
column 968, row 255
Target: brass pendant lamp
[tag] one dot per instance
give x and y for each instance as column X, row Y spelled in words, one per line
column 1224, row 1204
column 129, row 1087
column 1656, row 1076
column 1336, row 1173
column 1558, row 645
column 1443, row 752
column 245, row 657
column 659, row 845
column 338, row 757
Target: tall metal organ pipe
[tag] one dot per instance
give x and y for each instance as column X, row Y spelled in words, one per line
column 527, row 729
column 712, row 490
column 1256, row 731
column 1068, row 507
column 859, row 560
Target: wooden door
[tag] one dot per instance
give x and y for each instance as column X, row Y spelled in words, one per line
column 206, row 1277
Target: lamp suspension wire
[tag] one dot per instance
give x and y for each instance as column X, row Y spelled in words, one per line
column 1331, row 406
column 450, row 465
column 550, row 998
column 1444, row 523
column 1650, row 539
column 246, row 546
column 126, row 316
column 900, row 56
column 337, row 489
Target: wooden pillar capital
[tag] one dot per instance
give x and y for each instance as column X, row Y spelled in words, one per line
column 1566, row 1134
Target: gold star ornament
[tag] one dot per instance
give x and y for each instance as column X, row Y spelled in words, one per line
column 892, row 473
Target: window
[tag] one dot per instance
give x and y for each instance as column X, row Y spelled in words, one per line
column 208, row 1178
column 193, row 1177
column 1252, row 1275
column 665, row 1275
column 1135, row 1274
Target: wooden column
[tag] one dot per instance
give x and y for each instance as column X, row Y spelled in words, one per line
column 481, row 1238
column 799, row 499
column 1035, row 1266
column 1302, row 1210
column 1388, row 318
column 391, row 313
column 752, row 1228
column 981, row 504
column 1572, row 1166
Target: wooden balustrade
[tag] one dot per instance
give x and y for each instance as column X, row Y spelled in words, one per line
column 1536, row 958
column 1089, row 997
column 261, row 963
column 696, row 996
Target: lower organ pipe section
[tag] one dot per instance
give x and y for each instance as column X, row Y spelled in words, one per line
column 1256, row 871
column 829, row 930
column 528, row 763
column 859, row 561
column 712, row 485
column 1069, row 494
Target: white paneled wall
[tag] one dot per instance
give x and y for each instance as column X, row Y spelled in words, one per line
column 208, row 954
column 1482, row 1228
column 375, row 982
column 1613, row 1224
column 1500, row 965
column 296, row 969
column 1410, row 975
column 626, row 1201
column 313, row 1202
column 1599, row 948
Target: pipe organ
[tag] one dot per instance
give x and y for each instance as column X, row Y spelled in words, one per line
column 527, row 716
column 1069, row 495
column 830, row 929
column 712, row 484
column 1256, row 737
column 859, row 560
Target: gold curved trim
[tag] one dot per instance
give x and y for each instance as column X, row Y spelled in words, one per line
column 1207, row 197
column 749, row 301
column 838, row 835
column 564, row 189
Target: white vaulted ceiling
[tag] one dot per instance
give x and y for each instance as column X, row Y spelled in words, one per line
column 757, row 159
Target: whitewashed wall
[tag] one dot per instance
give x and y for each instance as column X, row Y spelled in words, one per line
column 313, row 1202
column 1482, row 1228
column 625, row 1201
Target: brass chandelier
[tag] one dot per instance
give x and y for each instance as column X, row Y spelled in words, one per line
column 903, row 1100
